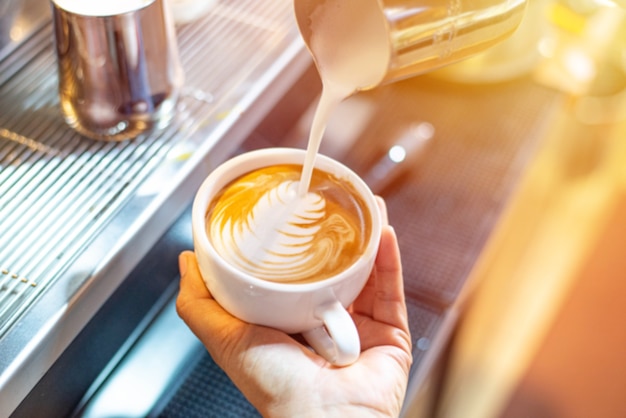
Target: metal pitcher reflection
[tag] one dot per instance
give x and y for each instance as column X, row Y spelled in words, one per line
column 118, row 63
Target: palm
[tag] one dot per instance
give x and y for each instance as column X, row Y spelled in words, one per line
column 274, row 377
column 281, row 376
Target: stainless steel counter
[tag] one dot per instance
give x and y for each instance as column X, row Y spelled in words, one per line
column 77, row 215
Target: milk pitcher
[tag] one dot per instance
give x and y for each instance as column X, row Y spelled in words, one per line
column 397, row 39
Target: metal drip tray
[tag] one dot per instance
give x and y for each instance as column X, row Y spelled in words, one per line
column 77, row 214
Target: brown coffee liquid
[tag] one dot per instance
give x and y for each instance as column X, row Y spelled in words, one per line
column 260, row 224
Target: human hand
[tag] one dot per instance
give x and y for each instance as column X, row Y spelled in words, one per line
column 282, row 377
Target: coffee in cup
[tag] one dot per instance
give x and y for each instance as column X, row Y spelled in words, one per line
column 273, row 257
column 261, row 225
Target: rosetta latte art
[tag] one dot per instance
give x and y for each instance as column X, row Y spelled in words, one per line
column 261, row 226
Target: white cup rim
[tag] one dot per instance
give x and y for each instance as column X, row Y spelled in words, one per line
column 274, row 156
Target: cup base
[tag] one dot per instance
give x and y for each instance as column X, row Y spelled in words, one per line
column 123, row 128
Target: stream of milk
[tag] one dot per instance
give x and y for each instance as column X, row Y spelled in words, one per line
column 350, row 46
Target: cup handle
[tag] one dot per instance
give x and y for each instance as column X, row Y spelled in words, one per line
column 338, row 340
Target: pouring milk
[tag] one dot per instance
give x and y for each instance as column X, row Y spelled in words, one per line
column 350, row 46
column 292, row 226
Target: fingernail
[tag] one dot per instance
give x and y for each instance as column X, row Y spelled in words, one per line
column 182, row 264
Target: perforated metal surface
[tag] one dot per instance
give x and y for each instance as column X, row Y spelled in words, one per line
column 58, row 189
column 208, row 392
column 450, row 206
column 447, row 203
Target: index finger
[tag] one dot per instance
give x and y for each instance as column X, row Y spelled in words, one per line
column 195, row 305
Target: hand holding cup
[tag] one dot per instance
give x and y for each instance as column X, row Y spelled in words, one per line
column 294, row 263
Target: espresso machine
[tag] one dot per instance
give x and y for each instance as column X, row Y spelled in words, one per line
column 480, row 164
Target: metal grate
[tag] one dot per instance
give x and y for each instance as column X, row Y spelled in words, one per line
column 58, row 189
column 447, row 203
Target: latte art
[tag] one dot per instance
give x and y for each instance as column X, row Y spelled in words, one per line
column 260, row 225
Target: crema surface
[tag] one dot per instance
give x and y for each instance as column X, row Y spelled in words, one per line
column 261, row 225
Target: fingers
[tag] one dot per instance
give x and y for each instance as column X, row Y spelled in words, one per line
column 389, row 303
column 365, row 300
column 192, row 286
column 380, row 310
column 227, row 338
column 202, row 314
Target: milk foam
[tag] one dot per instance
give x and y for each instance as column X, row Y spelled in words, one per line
column 274, row 240
column 101, row 8
column 261, row 225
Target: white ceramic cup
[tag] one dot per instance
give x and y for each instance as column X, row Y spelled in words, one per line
column 315, row 309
